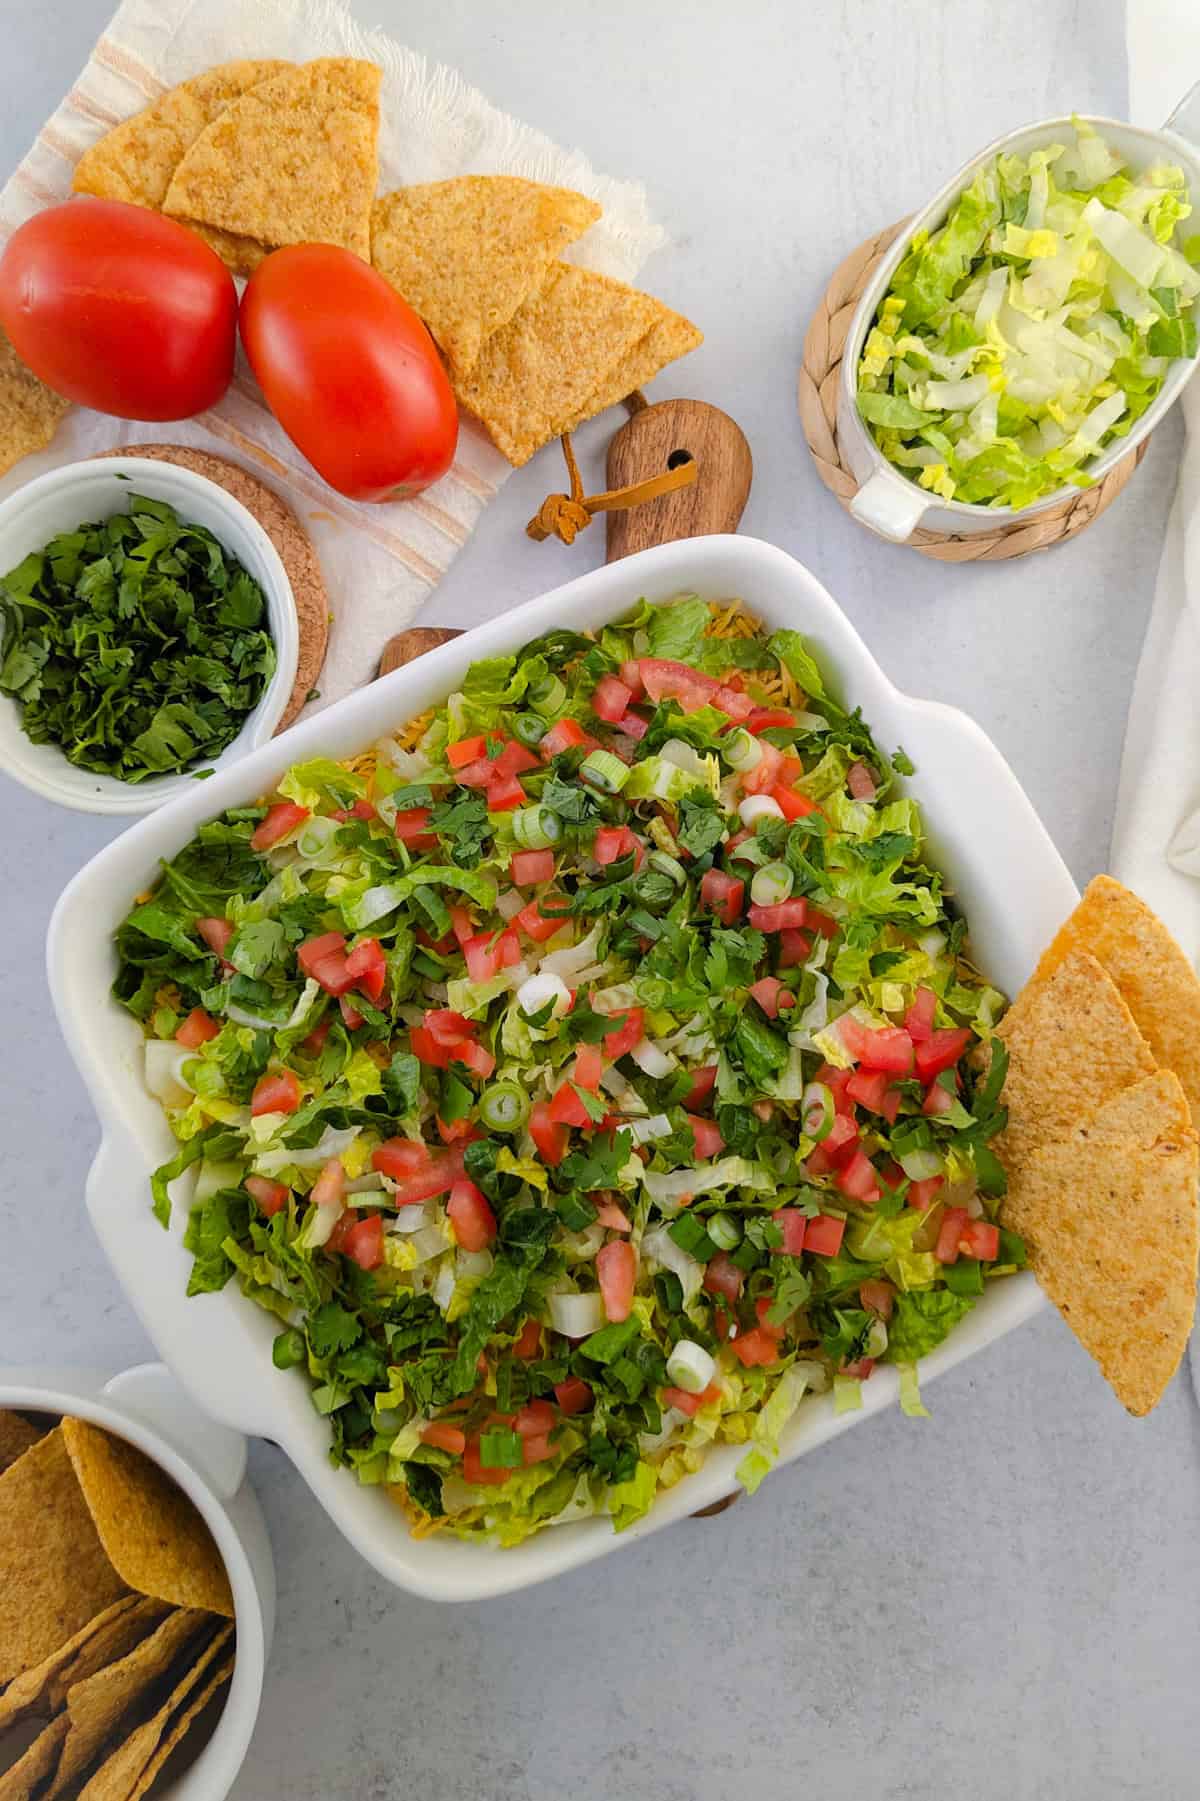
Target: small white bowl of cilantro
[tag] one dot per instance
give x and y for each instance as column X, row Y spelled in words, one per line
column 147, row 634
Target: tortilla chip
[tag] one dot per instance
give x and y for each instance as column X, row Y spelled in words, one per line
column 29, row 410
column 1157, row 983
column 533, row 376
column 110, row 1635
column 466, row 254
column 121, row 1774
column 54, row 1574
column 1110, row 1218
column 16, row 1436
column 137, row 158
column 26, row 1777
column 670, row 337
column 182, row 1725
column 101, row 1704
column 1072, row 1045
column 152, row 1533
column 291, row 162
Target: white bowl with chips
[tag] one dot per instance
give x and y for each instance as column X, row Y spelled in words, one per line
column 146, row 1406
column 983, row 832
column 79, row 493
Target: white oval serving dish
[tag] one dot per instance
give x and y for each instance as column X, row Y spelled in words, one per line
column 984, row 834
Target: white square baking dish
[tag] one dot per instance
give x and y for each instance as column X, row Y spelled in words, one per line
column 984, row 834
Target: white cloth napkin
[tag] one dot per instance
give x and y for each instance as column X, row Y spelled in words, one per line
column 1156, row 836
column 380, row 562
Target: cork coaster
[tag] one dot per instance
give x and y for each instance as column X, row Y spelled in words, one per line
column 820, row 374
column 290, row 540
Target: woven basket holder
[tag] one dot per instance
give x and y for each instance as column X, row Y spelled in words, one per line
column 819, row 376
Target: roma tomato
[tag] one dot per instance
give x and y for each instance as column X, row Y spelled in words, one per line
column 349, row 371
column 120, row 308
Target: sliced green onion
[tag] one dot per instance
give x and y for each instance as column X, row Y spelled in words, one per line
column 771, row 884
column 501, row 1449
column 504, row 1107
column 741, row 750
column 724, row 1230
column 536, row 828
column 817, row 1111
column 549, row 695
column 289, row 1349
column 530, row 728
column 603, row 770
column 669, row 866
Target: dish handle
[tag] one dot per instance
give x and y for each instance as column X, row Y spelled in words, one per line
column 1185, row 120
column 890, row 506
column 216, row 1452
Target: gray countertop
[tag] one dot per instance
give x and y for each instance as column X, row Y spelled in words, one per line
column 1003, row 1600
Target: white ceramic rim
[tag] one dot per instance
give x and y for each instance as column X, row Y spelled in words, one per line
column 74, row 788
column 84, row 1394
column 931, row 215
column 219, row 1345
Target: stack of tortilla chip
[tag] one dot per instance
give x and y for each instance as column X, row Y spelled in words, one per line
column 116, row 1616
column 534, row 345
column 1103, row 1160
column 252, row 155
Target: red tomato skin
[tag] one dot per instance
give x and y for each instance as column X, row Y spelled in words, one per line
column 707, row 1137
column 276, row 1092
column 471, row 1218
column 723, row 1277
column 364, row 1242
column 270, row 1196
column 196, row 1029
column 823, row 1235
column 574, row 1395
column 616, row 1272
column 445, row 1437
column 349, row 371
column 280, row 819
column 120, row 309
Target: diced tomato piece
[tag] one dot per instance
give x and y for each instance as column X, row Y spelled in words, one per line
column 426, row 1048
column 837, row 1081
column 549, row 1136
column 566, row 1108
column 610, row 699
column 918, row 1021
column 335, row 1244
column 723, row 895
column 280, row 819
column 890, row 1048
column 762, row 1309
column 824, row 1234
column 824, row 923
column 412, row 828
column 771, row 994
column 461, row 923
column 475, row 1471
column 890, row 1105
column 483, row 961
column 860, row 782
column 528, row 1342
column 616, row 1272
column 764, row 719
column 270, row 1196
column 664, row 680
column 422, row 1181
column 529, row 867
column 707, row 1135
column 867, row 1087
column 351, row 1017
column 786, row 915
column 612, row 1217
column 589, row 1067
column 860, row 1368
column 941, row 1050
column 758, row 1347
column 857, row 1180
column 516, row 759
column 504, row 793
column 443, row 946
column 763, row 777
column 364, row 1242
column 330, row 1185
column 950, row 1235
column 477, row 1058
column 364, row 809
column 216, row 933
column 276, row 1092
column 315, row 950
column 878, row 1297
column 535, row 1419
column 444, row 1437
column 688, row 1403
column 980, row 1239
column 837, row 1148
column 471, row 1218
column 457, row 1131
column 937, row 1100
column 196, row 1029
column 633, row 726
column 795, row 948
column 733, row 845
column 614, row 841
column 722, row 1276
column 703, row 1083
column 368, row 965
column 621, row 1040
column 921, row 1195
column 537, row 925
column 314, row 1044
column 476, row 775
column 466, row 750
column 564, row 734
column 631, row 675
column 574, row 1395
column 791, row 803
column 792, row 1224
column 401, row 1157
column 732, row 701
column 790, row 771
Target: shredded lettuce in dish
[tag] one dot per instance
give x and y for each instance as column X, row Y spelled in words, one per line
column 584, row 1077
column 1031, row 330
